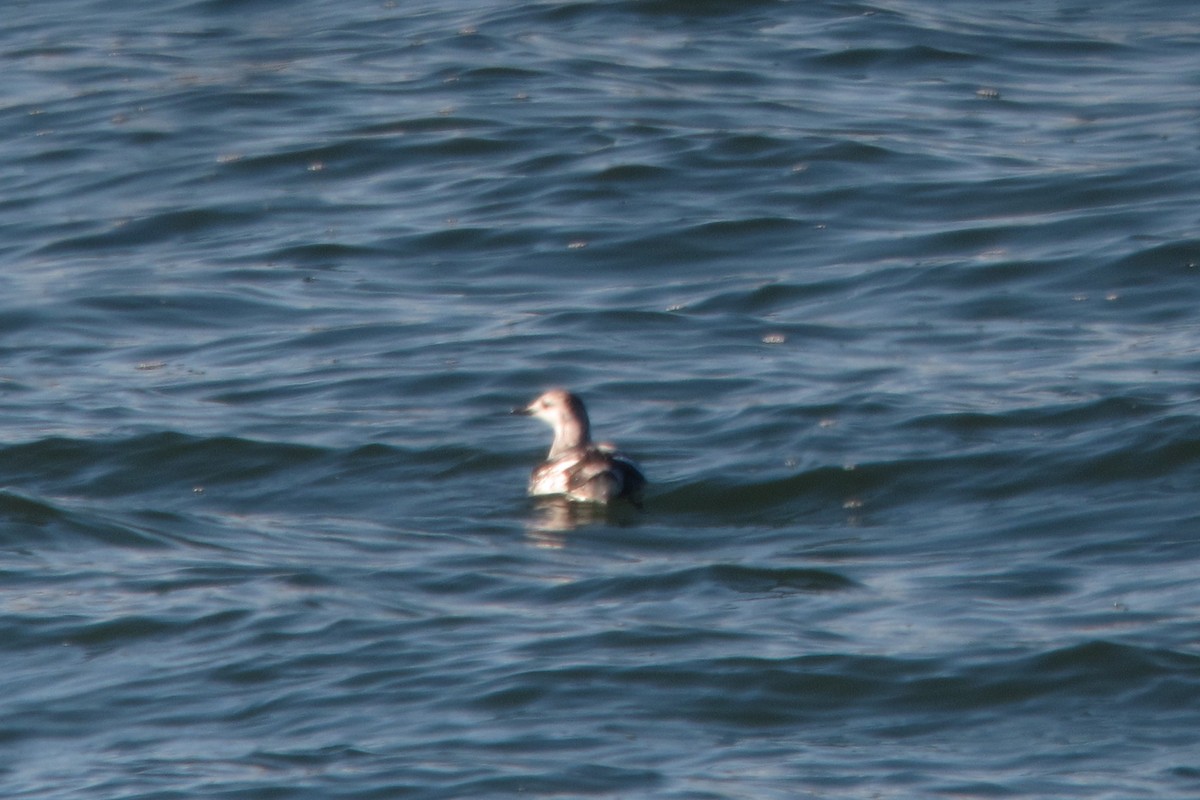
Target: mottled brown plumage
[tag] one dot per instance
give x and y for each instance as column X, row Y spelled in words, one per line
column 576, row 467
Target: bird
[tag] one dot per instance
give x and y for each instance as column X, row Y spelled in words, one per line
column 576, row 467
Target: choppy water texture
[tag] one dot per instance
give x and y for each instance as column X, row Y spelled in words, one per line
column 895, row 302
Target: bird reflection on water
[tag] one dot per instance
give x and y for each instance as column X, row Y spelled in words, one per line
column 554, row 515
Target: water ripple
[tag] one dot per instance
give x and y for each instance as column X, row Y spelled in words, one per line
column 894, row 306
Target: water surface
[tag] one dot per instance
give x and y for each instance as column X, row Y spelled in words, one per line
column 894, row 302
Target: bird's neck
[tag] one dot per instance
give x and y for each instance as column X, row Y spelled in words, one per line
column 569, row 434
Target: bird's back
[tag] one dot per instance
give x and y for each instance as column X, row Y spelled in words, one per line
column 593, row 474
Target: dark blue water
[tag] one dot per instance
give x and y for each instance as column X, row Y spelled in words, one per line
column 896, row 303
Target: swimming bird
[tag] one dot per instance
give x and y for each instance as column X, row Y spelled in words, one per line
column 576, row 467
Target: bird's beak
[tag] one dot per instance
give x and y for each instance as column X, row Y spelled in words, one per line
column 527, row 411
